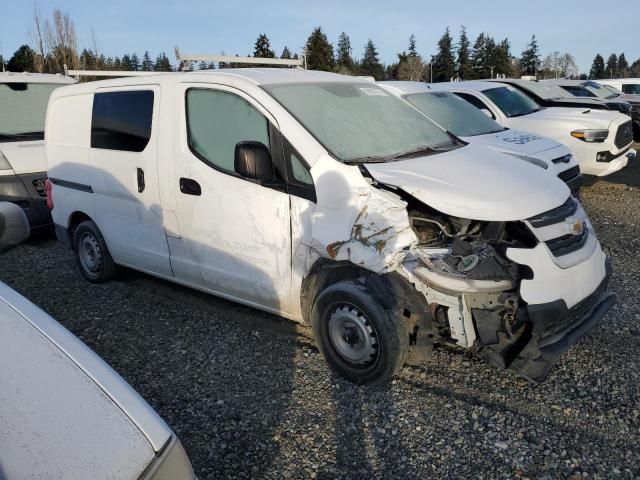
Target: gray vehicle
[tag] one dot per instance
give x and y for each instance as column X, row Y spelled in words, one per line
column 64, row 413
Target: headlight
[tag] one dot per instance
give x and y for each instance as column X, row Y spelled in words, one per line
column 591, row 136
column 4, row 163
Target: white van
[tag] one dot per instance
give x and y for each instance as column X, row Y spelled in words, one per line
column 23, row 106
column 599, row 139
column 630, row 86
column 465, row 121
column 326, row 200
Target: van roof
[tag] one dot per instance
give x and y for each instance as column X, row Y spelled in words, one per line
column 26, row 77
column 257, row 76
column 406, row 87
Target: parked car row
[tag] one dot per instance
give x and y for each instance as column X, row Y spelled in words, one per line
column 373, row 212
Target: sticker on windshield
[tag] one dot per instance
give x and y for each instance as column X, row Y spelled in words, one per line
column 375, row 92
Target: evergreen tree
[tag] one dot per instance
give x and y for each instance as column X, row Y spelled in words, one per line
column 370, row 65
column 344, row 60
column 412, row 46
column 623, row 66
column 125, row 64
column 478, row 57
column 147, row 64
column 135, row 62
column 463, row 65
column 262, row 48
column 530, row 59
column 597, row 68
column 162, row 64
column 444, row 66
column 611, row 69
column 319, row 51
column 286, row 54
column 22, row 60
column 501, row 59
column 634, row 69
column 117, row 64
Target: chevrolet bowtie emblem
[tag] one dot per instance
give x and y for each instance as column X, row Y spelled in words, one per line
column 578, row 227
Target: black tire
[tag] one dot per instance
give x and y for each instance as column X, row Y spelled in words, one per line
column 86, row 238
column 352, row 300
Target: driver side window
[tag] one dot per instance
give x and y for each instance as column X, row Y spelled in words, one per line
column 217, row 121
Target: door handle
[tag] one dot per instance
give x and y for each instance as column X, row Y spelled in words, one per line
column 188, row 186
column 140, row 180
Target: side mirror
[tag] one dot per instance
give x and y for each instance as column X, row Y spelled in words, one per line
column 252, row 160
column 487, row 112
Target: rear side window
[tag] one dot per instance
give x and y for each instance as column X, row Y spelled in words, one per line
column 631, row 88
column 475, row 101
column 122, row 120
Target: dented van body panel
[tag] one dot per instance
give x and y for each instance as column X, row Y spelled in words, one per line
column 456, row 243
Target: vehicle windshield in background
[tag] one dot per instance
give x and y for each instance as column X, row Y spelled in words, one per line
column 454, row 113
column 361, row 122
column 598, row 90
column 614, row 91
column 23, row 107
column 547, row 92
column 512, row 102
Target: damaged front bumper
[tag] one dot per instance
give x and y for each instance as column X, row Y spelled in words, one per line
column 546, row 332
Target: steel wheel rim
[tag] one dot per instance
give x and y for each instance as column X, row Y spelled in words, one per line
column 352, row 335
column 90, row 254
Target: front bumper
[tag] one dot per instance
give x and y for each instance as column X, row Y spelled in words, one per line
column 547, row 330
column 615, row 163
column 20, row 189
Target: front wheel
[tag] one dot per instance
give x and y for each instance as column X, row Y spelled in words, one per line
column 92, row 254
column 359, row 339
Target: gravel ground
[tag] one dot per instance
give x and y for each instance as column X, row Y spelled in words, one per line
column 250, row 396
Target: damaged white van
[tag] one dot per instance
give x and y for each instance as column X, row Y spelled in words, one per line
column 326, row 200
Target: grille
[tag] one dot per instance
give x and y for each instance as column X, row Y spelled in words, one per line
column 569, row 174
column 567, row 244
column 624, row 135
column 556, row 215
column 575, row 314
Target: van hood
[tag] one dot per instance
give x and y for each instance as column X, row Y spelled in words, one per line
column 475, row 182
column 515, row 142
column 25, row 157
column 575, row 117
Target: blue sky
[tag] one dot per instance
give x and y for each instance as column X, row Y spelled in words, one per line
column 580, row 27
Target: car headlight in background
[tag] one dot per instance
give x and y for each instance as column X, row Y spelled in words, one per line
column 4, row 163
column 591, row 136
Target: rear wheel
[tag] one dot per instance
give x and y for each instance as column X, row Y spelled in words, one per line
column 358, row 337
column 92, row 255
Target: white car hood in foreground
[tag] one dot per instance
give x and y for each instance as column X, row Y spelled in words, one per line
column 25, row 157
column 516, row 142
column 475, row 182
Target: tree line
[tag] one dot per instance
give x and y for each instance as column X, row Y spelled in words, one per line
column 616, row 67
column 55, row 45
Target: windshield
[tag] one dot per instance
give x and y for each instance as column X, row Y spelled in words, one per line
column 512, row 102
column 598, row 90
column 546, row 92
column 614, row 91
column 360, row 122
column 454, row 114
column 23, row 107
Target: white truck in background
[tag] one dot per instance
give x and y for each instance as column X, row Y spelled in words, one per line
column 465, row 121
column 600, row 140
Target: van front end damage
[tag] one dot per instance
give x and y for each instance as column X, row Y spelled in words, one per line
column 518, row 292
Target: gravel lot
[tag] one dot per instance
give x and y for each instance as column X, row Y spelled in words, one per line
column 250, row 396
